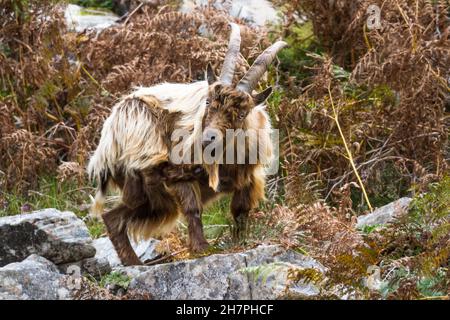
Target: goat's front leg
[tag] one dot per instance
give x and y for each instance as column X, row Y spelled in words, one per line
column 242, row 202
column 116, row 225
column 189, row 197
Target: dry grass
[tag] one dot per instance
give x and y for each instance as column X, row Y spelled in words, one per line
column 383, row 92
column 389, row 88
column 57, row 87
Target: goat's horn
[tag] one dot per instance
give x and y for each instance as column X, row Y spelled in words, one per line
column 234, row 46
column 259, row 67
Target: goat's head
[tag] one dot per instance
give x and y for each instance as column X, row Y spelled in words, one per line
column 227, row 106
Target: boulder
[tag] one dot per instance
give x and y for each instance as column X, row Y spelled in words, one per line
column 385, row 214
column 35, row 278
column 58, row 236
column 260, row 273
column 146, row 250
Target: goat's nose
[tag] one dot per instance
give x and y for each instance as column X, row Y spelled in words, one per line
column 209, row 135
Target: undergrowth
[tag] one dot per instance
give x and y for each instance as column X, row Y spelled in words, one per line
column 363, row 119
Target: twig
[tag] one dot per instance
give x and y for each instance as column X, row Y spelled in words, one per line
column 350, row 156
column 24, row 44
column 164, row 258
column 95, row 81
column 133, row 12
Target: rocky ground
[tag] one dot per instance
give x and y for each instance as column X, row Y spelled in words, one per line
column 46, row 254
column 49, row 254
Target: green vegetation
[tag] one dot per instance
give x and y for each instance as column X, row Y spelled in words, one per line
column 115, row 278
column 417, row 250
column 298, row 55
column 361, row 114
column 216, row 218
column 53, row 193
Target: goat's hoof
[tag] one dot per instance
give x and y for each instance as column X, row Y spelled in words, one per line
column 131, row 262
column 199, row 247
column 239, row 237
column 239, row 230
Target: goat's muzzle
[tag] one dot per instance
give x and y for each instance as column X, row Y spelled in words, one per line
column 209, row 136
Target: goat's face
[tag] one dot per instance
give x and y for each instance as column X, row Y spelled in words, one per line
column 227, row 108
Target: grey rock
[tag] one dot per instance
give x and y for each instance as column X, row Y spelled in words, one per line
column 80, row 19
column 259, row 273
column 146, row 250
column 35, row 278
column 253, row 12
column 267, row 273
column 95, row 267
column 384, row 214
column 58, row 236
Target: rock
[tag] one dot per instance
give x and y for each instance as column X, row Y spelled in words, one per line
column 384, row 214
column 35, row 278
column 146, row 250
column 95, row 267
column 260, row 273
column 255, row 12
column 79, row 19
column 268, row 269
column 58, row 236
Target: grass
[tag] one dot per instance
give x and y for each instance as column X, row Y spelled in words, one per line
column 51, row 193
column 67, row 196
column 217, row 218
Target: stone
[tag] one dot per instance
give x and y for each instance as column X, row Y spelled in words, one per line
column 385, row 214
column 260, row 273
column 80, row 19
column 146, row 250
column 95, row 267
column 254, row 12
column 35, row 278
column 58, row 236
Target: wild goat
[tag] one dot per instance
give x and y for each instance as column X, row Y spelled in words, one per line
column 136, row 143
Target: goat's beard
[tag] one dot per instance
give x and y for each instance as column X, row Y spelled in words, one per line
column 213, row 174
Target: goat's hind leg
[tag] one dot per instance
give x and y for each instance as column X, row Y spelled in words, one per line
column 116, row 225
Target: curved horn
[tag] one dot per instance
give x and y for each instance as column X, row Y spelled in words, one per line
column 259, row 67
column 234, row 46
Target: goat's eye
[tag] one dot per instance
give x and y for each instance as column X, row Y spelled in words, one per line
column 208, row 102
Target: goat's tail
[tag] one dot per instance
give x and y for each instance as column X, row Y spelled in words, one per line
column 98, row 172
column 98, row 203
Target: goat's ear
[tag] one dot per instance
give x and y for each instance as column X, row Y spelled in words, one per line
column 262, row 96
column 210, row 76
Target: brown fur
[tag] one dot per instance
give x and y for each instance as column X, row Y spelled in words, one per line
column 154, row 197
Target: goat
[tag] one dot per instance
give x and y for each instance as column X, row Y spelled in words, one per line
column 136, row 143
